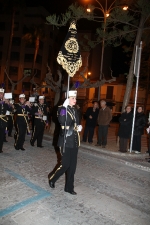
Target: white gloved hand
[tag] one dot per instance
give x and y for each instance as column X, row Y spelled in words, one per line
column 79, row 128
column 148, row 130
column 66, row 103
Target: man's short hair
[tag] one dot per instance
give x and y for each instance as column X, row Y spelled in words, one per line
column 103, row 101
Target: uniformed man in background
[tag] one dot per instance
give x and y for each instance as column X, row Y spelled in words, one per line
column 40, row 121
column 3, row 119
column 10, row 115
column 68, row 142
column 21, row 110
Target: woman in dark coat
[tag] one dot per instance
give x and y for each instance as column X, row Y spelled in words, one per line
column 140, row 122
column 125, row 129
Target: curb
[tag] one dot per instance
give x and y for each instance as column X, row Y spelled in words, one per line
column 111, row 155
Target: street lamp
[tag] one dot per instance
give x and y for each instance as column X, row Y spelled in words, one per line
column 106, row 12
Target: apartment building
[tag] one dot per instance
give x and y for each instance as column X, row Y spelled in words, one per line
column 22, row 54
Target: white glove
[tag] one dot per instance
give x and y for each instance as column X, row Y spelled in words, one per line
column 79, row 128
column 66, row 103
column 148, row 130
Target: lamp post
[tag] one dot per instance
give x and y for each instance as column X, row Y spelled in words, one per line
column 106, row 12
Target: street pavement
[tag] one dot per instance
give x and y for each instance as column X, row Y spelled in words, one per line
column 112, row 188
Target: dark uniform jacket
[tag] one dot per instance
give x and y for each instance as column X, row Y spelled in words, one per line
column 140, row 122
column 21, row 110
column 72, row 120
column 125, row 121
column 38, row 106
column 3, row 108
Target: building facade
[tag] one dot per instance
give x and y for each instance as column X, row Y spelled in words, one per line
column 22, row 53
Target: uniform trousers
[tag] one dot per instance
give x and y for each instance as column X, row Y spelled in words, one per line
column 136, row 146
column 102, row 134
column 38, row 131
column 149, row 144
column 123, row 142
column 88, row 132
column 10, row 125
column 68, row 165
column 20, row 134
column 2, row 136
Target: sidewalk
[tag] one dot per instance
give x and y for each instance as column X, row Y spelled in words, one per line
column 111, row 150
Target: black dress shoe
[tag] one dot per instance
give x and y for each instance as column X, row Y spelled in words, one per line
column 40, row 146
column 1, row 151
column 5, row 141
column 51, row 184
column 16, row 148
column 23, row 149
column 32, row 144
column 71, row 192
column 10, row 135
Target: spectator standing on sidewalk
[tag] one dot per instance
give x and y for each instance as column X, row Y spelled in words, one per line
column 148, row 131
column 124, row 132
column 104, row 118
column 140, row 122
column 91, row 120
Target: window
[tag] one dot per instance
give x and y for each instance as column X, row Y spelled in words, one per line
column 2, row 25
column 96, row 93
column 46, row 90
column 1, row 40
column 16, row 26
column 26, row 86
column 13, row 70
column 27, row 71
column 16, row 41
column 28, row 57
column 15, row 56
column 39, row 59
column 109, row 94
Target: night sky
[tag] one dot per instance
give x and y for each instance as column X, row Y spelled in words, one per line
column 60, row 6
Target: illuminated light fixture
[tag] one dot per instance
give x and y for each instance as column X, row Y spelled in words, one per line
column 89, row 73
column 107, row 14
column 125, row 7
column 88, row 10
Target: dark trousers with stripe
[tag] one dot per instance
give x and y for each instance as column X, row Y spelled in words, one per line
column 38, row 131
column 2, row 136
column 10, row 125
column 20, row 135
column 68, row 165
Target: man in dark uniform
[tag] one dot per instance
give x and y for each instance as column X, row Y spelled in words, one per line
column 10, row 115
column 40, row 114
column 21, row 109
column 68, row 142
column 3, row 119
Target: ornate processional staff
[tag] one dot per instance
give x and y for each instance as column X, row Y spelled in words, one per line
column 70, row 58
